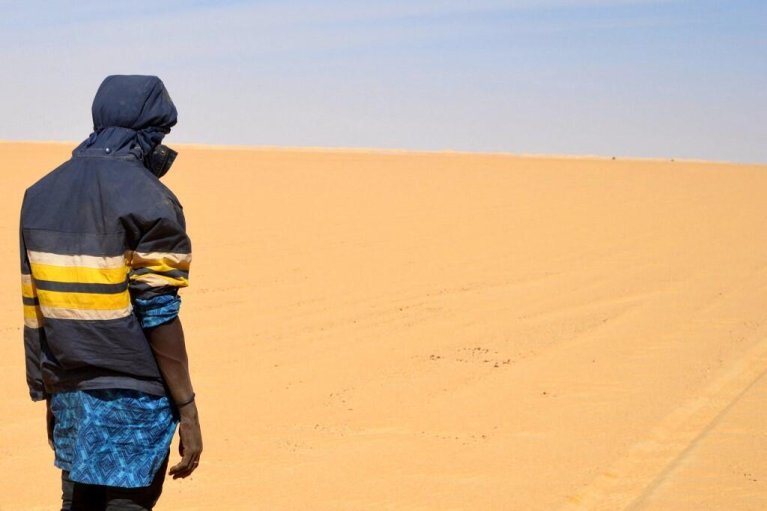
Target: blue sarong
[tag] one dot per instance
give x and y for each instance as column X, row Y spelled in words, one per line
column 112, row 437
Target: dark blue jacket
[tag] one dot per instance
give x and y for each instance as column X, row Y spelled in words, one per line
column 97, row 234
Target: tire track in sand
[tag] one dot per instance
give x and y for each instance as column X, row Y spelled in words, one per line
column 635, row 477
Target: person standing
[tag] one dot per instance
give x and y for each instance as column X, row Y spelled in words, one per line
column 104, row 251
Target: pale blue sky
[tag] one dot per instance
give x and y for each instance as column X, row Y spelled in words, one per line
column 682, row 79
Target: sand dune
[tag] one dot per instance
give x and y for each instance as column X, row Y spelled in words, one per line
column 387, row 330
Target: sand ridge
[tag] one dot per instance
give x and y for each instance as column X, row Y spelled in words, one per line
column 395, row 330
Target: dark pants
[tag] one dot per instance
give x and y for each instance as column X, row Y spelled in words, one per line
column 91, row 497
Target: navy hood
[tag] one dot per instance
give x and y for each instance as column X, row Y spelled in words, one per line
column 131, row 115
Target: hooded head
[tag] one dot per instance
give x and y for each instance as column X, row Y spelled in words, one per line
column 131, row 115
column 134, row 102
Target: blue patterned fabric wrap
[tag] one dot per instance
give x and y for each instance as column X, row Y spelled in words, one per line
column 157, row 310
column 112, row 437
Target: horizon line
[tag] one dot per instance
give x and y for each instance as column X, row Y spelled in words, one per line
column 446, row 151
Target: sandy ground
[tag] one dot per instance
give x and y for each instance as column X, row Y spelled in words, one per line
column 373, row 330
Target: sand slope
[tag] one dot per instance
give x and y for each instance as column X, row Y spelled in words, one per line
column 374, row 330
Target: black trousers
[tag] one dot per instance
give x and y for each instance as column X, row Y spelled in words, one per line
column 91, row 497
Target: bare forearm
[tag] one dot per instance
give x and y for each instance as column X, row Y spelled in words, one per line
column 169, row 349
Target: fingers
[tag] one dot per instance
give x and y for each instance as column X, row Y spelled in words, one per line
column 185, row 467
column 190, row 448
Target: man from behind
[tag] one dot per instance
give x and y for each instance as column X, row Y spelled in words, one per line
column 104, row 251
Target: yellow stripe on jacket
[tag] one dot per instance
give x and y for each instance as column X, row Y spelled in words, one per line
column 155, row 280
column 94, row 301
column 160, row 269
column 79, row 274
column 28, row 286
column 160, row 261
column 33, row 316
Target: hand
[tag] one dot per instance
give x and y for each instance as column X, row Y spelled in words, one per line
column 190, row 442
column 50, row 421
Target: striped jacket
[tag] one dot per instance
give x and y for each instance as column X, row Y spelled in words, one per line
column 97, row 233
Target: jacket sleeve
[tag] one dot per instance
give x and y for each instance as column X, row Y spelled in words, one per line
column 34, row 335
column 159, row 264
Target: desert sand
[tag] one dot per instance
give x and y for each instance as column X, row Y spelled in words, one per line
column 373, row 330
